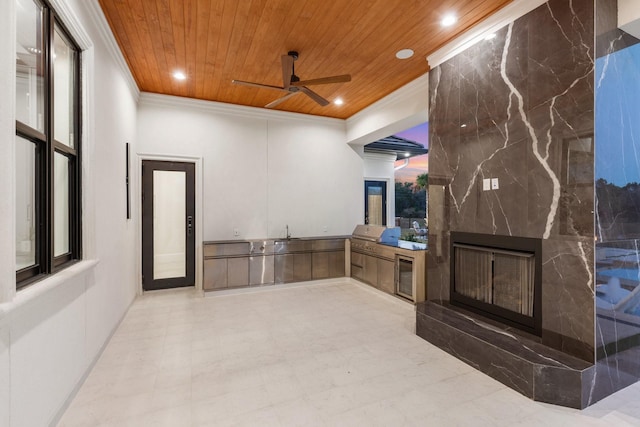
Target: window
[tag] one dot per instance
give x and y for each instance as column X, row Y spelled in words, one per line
column 47, row 143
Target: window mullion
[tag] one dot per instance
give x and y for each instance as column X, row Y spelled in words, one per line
column 76, row 225
column 48, row 193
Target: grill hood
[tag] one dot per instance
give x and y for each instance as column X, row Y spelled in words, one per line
column 377, row 233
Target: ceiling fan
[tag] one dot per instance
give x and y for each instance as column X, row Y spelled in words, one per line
column 292, row 83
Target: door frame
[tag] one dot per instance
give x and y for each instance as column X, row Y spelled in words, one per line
column 389, row 209
column 199, row 213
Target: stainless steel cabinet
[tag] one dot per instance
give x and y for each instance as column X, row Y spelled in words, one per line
column 301, row 267
column 261, row 270
column 327, row 265
column 292, row 268
column 394, row 270
column 336, row 264
column 357, row 263
column 238, row 272
column 221, row 273
column 320, row 264
column 386, row 275
column 262, row 262
column 215, row 274
column 370, row 270
column 283, row 267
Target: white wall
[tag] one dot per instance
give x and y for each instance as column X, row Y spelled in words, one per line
column 262, row 170
column 51, row 332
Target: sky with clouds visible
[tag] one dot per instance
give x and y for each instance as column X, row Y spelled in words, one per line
column 418, row 164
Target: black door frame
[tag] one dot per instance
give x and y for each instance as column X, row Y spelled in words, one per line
column 148, row 283
column 375, row 183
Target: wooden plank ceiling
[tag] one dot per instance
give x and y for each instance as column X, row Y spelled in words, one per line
column 216, row 41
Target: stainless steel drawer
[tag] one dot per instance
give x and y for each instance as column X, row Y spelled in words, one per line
column 226, row 249
column 328, row 244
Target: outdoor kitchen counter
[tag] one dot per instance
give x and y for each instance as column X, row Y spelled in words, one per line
column 275, row 239
column 258, row 262
column 409, row 246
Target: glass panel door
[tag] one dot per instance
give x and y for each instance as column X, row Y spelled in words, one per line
column 168, row 224
column 405, row 277
column 375, row 202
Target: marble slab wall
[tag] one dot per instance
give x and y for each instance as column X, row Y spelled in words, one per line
column 519, row 107
column 617, row 174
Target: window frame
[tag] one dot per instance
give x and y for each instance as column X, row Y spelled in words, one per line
column 46, row 147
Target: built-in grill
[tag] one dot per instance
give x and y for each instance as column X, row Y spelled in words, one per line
column 365, row 237
column 377, row 260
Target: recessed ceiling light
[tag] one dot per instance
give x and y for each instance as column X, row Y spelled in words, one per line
column 338, row 101
column 464, row 125
column 33, row 50
column 179, row 75
column 404, row 54
column 448, row 20
column 407, row 154
column 490, row 36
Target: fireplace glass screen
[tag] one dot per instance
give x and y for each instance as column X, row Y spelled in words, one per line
column 497, row 277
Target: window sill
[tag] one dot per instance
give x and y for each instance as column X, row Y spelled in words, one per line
column 42, row 287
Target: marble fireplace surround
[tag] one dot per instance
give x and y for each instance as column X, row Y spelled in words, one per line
column 524, row 364
column 520, row 108
column 499, row 296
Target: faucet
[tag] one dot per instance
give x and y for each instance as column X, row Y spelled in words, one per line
column 288, row 234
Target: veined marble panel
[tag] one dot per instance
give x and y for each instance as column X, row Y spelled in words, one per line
column 520, row 362
column 518, row 108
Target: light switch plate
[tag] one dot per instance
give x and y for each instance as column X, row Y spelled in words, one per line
column 486, row 184
column 236, row 232
column 494, row 184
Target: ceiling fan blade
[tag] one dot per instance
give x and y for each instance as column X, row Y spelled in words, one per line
column 260, row 85
column 320, row 100
column 324, row 80
column 279, row 100
column 287, row 70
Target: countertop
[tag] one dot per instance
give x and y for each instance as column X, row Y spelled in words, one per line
column 412, row 246
column 276, row 239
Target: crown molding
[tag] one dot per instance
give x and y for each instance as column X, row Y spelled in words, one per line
column 100, row 21
column 419, row 85
column 493, row 23
column 72, row 23
column 170, row 101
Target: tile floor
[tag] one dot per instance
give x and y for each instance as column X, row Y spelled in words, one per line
column 329, row 354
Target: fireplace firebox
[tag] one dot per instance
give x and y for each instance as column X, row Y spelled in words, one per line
column 498, row 277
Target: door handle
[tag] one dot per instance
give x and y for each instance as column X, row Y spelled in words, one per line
column 189, row 225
